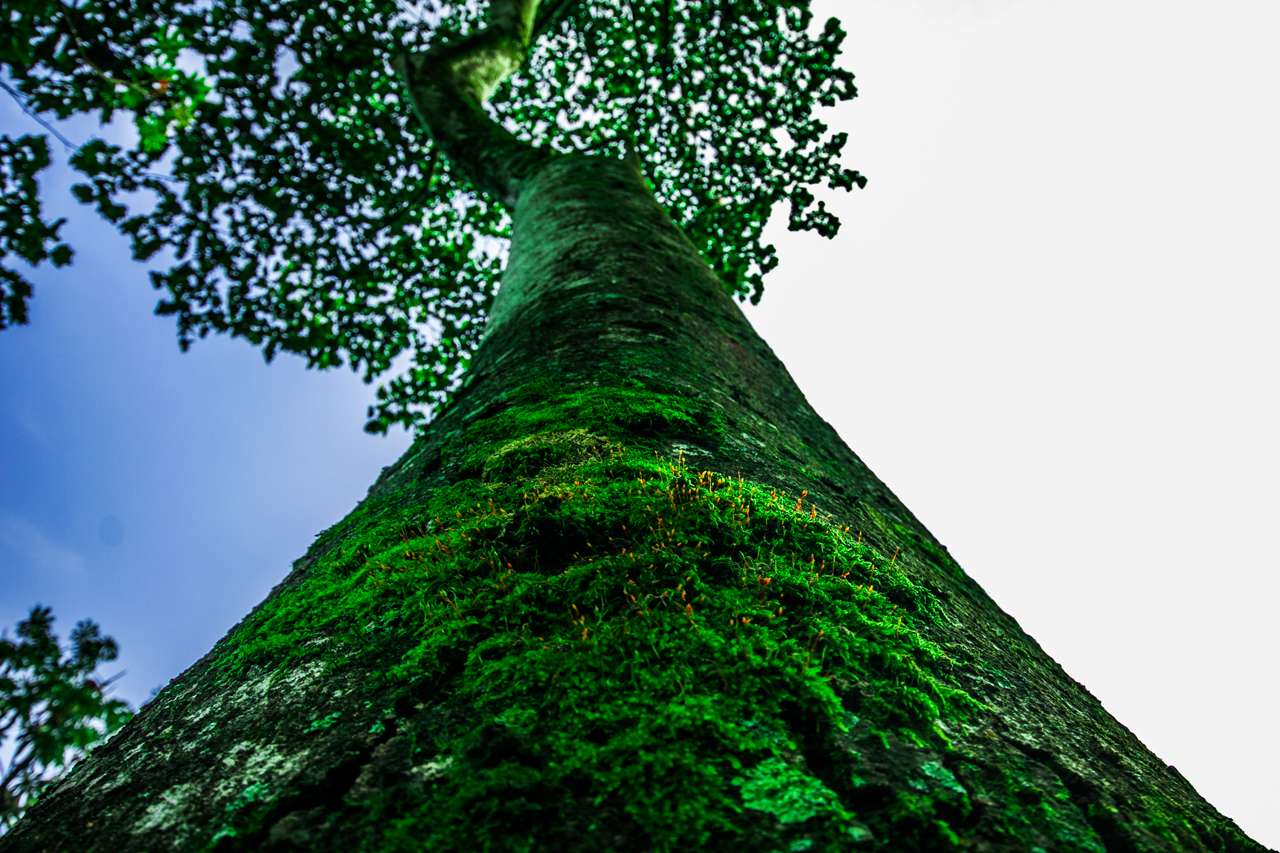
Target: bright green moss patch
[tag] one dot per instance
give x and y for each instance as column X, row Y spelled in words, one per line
column 786, row 792
column 624, row 637
column 527, row 457
column 618, row 409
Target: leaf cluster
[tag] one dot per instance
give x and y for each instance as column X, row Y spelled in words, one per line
column 50, row 705
column 300, row 205
column 22, row 230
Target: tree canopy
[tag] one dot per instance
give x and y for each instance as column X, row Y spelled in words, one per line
column 300, row 205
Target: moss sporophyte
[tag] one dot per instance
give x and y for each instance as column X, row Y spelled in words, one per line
column 638, row 632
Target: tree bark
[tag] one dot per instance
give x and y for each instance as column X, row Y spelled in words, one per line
column 610, row 332
column 629, row 593
column 448, row 85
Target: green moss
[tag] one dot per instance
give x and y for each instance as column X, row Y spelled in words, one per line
column 622, row 636
column 787, row 792
column 608, row 650
column 323, row 723
column 240, row 814
column 617, row 409
column 584, row 646
column 1033, row 806
column 529, row 456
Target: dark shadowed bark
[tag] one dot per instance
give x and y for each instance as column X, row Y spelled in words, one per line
column 552, row 625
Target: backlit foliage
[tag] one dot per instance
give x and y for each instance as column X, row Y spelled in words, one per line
column 300, row 205
column 52, row 710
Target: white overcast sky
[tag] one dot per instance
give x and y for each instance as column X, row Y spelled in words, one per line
column 1048, row 323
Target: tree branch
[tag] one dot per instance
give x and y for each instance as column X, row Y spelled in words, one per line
column 67, row 143
column 448, row 85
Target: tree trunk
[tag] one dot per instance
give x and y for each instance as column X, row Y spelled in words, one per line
column 629, row 593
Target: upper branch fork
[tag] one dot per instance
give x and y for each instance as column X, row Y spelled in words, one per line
column 448, row 85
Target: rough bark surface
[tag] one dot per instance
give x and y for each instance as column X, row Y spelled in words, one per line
column 611, row 337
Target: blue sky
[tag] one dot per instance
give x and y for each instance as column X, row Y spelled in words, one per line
column 158, row 493
column 1048, row 324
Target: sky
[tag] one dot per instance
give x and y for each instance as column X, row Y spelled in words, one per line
column 1047, row 323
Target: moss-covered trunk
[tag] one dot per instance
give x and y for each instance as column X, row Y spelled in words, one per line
column 629, row 593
